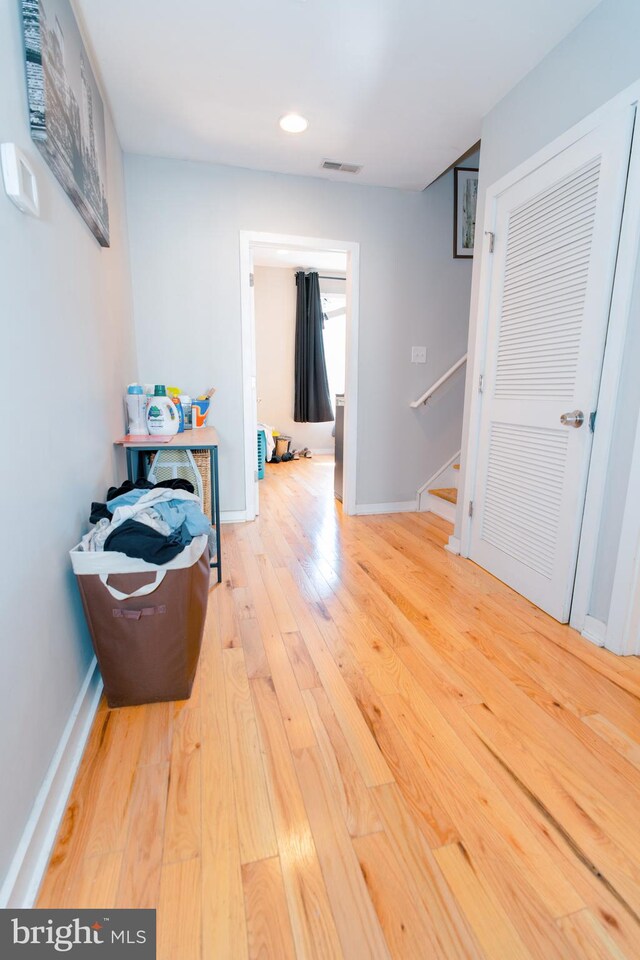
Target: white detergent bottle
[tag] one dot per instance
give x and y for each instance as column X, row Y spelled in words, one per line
column 136, row 410
column 162, row 413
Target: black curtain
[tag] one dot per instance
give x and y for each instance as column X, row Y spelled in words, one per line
column 312, row 402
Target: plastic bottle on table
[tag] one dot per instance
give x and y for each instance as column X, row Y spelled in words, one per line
column 136, row 410
column 174, row 395
column 162, row 413
column 187, row 410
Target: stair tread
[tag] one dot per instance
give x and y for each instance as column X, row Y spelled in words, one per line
column 446, row 493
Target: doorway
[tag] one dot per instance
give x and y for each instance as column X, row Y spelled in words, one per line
column 552, row 239
column 269, row 263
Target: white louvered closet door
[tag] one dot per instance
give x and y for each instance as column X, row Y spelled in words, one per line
column 556, row 238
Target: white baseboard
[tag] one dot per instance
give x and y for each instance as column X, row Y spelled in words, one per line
column 595, row 631
column 233, row 516
column 453, row 546
column 21, row 885
column 322, row 451
column 402, row 506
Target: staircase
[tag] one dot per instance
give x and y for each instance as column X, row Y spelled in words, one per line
column 442, row 499
column 440, row 492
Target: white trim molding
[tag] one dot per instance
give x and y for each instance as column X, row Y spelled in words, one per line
column 623, row 626
column 249, row 393
column 30, row 861
column 453, row 546
column 619, row 319
column 249, row 239
column 401, row 506
column 233, row 516
column 595, row 631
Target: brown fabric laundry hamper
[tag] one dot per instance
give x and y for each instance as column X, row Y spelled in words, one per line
column 146, row 621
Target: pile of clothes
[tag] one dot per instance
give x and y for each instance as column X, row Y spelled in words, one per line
column 153, row 522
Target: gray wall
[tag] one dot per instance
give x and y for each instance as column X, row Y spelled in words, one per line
column 591, row 65
column 185, row 220
column 67, row 349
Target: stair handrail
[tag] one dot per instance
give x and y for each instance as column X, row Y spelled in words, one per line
column 436, row 386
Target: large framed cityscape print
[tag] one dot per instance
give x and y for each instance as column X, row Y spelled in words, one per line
column 66, row 113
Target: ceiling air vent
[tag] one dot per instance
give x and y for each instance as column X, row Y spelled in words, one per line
column 342, row 167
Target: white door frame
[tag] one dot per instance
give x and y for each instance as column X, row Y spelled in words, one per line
column 249, row 239
column 619, row 317
column 622, row 631
column 615, row 338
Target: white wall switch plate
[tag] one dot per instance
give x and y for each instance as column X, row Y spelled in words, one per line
column 418, row 354
column 19, row 179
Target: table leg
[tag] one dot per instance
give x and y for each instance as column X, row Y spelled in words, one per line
column 215, row 506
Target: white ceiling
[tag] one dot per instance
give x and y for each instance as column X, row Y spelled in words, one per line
column 399, row 86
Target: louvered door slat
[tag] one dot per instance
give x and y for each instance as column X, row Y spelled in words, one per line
column 552, row 279
column 552, row 231
column 557, row 262
column 560, row 194
column 541, row 309
column 568, row 231
column 565, row 323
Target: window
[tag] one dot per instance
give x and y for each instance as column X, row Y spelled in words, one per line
column 334, row 306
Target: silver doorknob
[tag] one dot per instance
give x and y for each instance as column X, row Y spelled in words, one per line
column 573, row 419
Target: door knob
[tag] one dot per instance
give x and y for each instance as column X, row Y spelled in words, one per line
column 573, row 419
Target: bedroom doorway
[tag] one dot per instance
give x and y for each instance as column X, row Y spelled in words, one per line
column 269, row 264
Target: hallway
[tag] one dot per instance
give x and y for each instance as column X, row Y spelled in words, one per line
column 388, row 753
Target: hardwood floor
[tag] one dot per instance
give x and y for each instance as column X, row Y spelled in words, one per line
column 388, row 753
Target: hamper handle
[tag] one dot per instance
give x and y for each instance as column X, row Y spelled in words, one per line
column 140, row 592
column 136, row 614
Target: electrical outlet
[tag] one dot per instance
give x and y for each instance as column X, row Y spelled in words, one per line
column 418, row 354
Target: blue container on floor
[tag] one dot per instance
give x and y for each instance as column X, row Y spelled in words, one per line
column 262, row 453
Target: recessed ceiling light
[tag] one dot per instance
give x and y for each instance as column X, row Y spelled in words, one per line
column 293, row 123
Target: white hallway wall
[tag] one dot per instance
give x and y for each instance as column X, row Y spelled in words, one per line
column 275, row 311
column 590, row 66
column 67, row 350
column 185, row 220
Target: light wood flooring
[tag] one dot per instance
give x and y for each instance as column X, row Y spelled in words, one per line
column 388, row 753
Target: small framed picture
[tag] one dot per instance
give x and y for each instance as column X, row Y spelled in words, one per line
column 465, row 198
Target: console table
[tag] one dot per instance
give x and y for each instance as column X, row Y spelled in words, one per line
column 202, row 438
